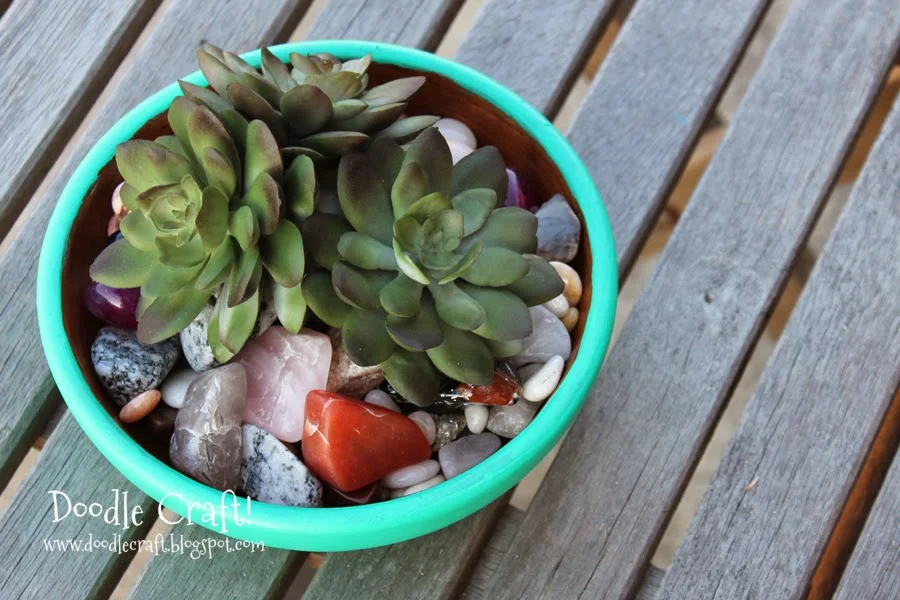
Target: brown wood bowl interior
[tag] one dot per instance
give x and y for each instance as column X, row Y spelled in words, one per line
column 539, row 175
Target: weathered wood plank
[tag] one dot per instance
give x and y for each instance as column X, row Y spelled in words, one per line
column 534, row 47
column 650, row 102
column 499, row 544
column 822, row 398
column 167, row 52
column 431, row 567
column 57, row 57
column 219, row 567
column 628, row 456
column 35, row 564
column 872, row 571
column 416, row 23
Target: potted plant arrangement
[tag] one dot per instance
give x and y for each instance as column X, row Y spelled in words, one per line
column 341, row 280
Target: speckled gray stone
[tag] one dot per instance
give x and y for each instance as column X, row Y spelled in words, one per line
column 558, row 231
column 272, row 473
column 448, row 426
column 509, row 421
column 463, row 454
column 194, row 342
column 126, row 367
column 207, row 441
column 548, row 338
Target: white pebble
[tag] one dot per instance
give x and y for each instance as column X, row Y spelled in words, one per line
column 570, row 277
column 559, row 306
column 539, row 386
column 412, row 475
column 175, row 386
column 458, row 151
column 457, row 131
column 382, row 399
column 419, row 487
column 476, row 417
column 426, row 423
column 118, row 207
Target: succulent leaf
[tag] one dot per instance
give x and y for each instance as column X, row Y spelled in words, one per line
column 402, row 296
column 399, row 90
column 506, row 316
column 464, row 264
column 121, row 265
column 321, row 234
column 321, row 298
column 139, row 231
column 366, row 252
column 496, row 267
column 282, row 254
column 254, row 107
column 463, row 356
column 483, row 168
column 363, row 199
column 217, row 268
column 307, row 109
column 290, row 306
column 508, row 227
column 300, row 187
column 347, row 109
column 164, row 280
column 353, row 287
column 540, row 284
column 145, row 164
column 475, row 205
column 386, row 156
column 505, row 349
column 431, row 152
column 334, row 143
column 216, row 72
column 371, row 119
column 457, row 308
column 408, row 265
column 220, row 352
column 264, row 199
column 167, row 315
column 337, row 86
column 404, row 130
column 244, row 279
column 410, row 185
column 243, row 227
column 420, row 332
column 172, row 253
column 236, row 320
column 413, row 376
column 365, row 337
column 212, row 219
column 261, row 154
column 276, row 71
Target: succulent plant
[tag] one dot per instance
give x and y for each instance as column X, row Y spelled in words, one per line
column 207, row 218
column 427, row 274
column 318, row 107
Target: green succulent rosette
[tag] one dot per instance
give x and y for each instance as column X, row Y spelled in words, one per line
column 421, row 270
column 209, row 216
column 317, row 106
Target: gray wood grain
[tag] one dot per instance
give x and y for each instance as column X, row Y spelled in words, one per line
column 166, row 53
column 650, row 101
column 499, row 544
column 427, row 568
column 416, row 23
column 534, row 47
column 70, row 464
column 594, row 523
column 874, row 567
column 808, row 428
column 56, row 57
column 221, row 569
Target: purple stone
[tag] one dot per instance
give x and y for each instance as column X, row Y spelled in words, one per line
column 514, row 194
column 113, row 305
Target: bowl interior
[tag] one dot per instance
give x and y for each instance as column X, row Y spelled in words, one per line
column 531, row 146
column 539, row 175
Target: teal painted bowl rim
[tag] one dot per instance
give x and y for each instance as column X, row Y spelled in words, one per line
column 352, row 528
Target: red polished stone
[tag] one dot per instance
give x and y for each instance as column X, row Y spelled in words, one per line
column 350, row 444
column 501, row 391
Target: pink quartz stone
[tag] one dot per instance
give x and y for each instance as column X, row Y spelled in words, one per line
column 281, row 369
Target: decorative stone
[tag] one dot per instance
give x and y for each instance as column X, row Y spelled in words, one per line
column 282, row 368
column 509, row 421
column 411, row 475
column 207, row 441
column 559, row 306
column 419, row 487
column 515, row 196
column 570, row 319
column 447, row 428
column 529, row 370
column 458, row 151
column 501, row 391
column 175, row 386
column 382, row 399
column 476, row 417
column 347, row 378
column 465, row 453
column 162, row 421
column 572, row 279
column 271, row 472
column 115, row 306
column 118, row 207
column 548, row 338
column 126, row 367
column 457, row 132
column 558, row 231
column 542, row 383
column 426, row 423
column 366, row 495
column 139, row 407
column 350, row 444
column 194, row 341
column 112, row 226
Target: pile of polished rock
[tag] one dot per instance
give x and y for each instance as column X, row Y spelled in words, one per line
column 292, row 421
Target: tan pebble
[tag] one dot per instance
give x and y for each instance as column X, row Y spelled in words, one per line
column 118, row 207
column 570, row 319
column 140, row 406
column 113, row 225
column 570, row 277
column 559, row 306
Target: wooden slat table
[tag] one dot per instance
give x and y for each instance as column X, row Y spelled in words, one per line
column 804, row 502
